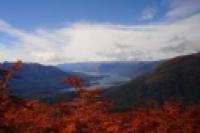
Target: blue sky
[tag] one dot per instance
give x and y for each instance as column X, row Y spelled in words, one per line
column 29, row 14
column 58, row 31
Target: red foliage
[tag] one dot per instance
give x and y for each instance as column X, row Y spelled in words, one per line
column 75, row 82
column 89, row 114
column 6, row 75
column 1, row 82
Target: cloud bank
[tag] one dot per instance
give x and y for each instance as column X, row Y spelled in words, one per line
column 80, row 42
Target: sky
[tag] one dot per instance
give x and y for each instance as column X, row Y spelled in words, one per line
column 60, row 31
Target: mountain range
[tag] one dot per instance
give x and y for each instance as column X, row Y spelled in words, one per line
column 129, row 69
column 154, row 80
column 175, row 78
column 45, row 82
column 34, row 80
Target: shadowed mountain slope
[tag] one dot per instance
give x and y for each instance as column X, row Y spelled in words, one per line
column 35, row 80
column 178, row 77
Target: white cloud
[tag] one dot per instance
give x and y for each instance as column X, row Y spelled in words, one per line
column 182, row 8
column 148, row 14
column 96, row 42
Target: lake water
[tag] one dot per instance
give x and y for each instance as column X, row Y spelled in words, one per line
column 108, row 80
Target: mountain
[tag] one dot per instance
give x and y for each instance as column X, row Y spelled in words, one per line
column 81, row 67
column 178, row 77
column 113, row 72
column 35, row 80
column 130, row 69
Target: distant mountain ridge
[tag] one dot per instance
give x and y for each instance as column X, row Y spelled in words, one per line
column 45, row 82
column 129, row 69
column 34, row 79
column 178, row 77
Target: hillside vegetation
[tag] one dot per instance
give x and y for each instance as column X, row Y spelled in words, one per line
column 178, row 77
